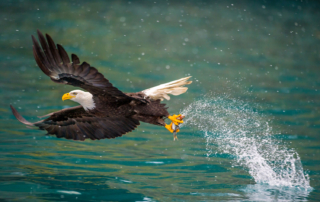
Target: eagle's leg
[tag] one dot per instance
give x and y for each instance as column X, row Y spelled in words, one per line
column 173, row 127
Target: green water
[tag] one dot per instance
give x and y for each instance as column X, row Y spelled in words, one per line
column 256, row 61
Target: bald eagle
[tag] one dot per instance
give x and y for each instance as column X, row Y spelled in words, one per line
column 104, row 110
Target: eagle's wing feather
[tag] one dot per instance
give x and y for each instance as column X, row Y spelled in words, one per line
column 54, row 62
column 61, row 111
column 75, row 123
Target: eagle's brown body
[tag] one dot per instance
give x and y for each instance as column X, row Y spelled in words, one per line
column 114, row 113
column 140, row 108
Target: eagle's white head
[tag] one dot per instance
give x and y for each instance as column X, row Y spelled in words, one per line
column 81, row 97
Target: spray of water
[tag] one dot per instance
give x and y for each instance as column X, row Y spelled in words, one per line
column 233, row 127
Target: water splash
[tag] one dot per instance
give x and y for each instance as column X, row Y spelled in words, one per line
column 233, row 127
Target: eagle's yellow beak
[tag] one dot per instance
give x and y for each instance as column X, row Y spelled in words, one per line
column 67, row 96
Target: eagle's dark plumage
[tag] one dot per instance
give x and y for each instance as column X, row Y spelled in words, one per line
column 110, row 112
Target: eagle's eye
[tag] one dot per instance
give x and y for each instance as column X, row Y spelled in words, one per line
column 74, row 93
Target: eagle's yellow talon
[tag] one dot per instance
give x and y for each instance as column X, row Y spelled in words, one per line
column 169, row 127
column 176, row 119
column 173, row 127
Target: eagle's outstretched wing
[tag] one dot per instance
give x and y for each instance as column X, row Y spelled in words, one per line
column 75, row 123
column 54, row 62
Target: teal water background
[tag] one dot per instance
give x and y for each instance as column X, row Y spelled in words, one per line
column 258, row 58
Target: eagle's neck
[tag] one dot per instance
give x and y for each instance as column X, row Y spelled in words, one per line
column 86, row 100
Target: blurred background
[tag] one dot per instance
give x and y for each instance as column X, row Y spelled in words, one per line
column 260, row 58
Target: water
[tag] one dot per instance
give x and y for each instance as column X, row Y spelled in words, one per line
column 252, row 126
column 232, row 127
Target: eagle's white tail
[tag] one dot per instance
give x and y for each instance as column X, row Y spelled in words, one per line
column 174, row 88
